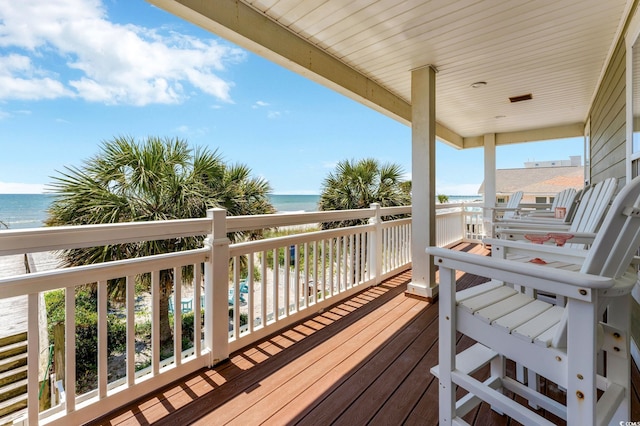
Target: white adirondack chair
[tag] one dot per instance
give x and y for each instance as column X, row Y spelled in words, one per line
column 592, row 197
column 507, row 212
column 559, row 343
column 563, row 199
column 588, row 216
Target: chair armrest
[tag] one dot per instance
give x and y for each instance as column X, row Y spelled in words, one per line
column 503, row 209
column 546, row 252
column 536, row 249
column 518, row 234
column 574, row 285
column 531, row 228
column 540, row 214
column 533, row 222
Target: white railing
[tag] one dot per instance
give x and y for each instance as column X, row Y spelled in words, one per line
column 279, row 281
column 457, row 222
column 244, row 291
column 473, row 225
column 80, row 407
column 326, row 266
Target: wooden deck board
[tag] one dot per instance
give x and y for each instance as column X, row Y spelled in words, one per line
column 363, row 361
column 343, row 399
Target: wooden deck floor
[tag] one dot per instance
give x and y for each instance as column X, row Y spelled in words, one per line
column 365, row 361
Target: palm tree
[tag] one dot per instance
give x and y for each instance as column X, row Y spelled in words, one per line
column 358, row 184
column 157, row 179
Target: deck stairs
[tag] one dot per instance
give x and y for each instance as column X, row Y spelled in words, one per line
column 13, row 377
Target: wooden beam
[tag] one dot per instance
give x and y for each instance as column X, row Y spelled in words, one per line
column 449, row 137
column 254, row 31
column 532, row 135
column 536, row 135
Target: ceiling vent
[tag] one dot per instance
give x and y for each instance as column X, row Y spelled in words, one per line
column 521, row 98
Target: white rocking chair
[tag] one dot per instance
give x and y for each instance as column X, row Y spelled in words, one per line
column 558, row 343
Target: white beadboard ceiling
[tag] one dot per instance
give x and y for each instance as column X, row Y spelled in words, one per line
column 555, row 50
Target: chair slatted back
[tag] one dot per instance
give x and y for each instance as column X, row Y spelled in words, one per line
column 573, row 207
column 618, row 238
column 591, row 209
column 514, row 201
column 593, row 205
column 615, row 244
column 564, row 199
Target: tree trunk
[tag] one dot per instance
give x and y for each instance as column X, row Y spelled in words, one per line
column 166, row 288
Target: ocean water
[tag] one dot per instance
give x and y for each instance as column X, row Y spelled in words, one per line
column 295, row 203
column 30, row 210
column 23, row 210
column 464, row 198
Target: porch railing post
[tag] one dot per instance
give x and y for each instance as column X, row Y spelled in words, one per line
column 463, row 220
column 375, row 243
column 216, row 288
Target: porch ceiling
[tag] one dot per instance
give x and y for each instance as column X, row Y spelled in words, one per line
column 366, row 49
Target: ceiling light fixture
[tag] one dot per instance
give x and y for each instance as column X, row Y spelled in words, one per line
column 478, row 84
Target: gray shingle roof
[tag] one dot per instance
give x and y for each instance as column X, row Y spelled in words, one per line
column 537, row 180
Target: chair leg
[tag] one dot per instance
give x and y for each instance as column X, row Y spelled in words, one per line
column 447, row 346
column 581, row 374
column 521, row 374
column 533, row 383
column 498, row 369
column 618, row 362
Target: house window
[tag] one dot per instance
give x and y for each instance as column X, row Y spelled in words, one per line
column 501, row 200
column 541, row 200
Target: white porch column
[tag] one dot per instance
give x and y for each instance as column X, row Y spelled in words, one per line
column 489, row 180
column 423, row 177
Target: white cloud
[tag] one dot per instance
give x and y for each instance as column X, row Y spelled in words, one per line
column 189, row 131
column 21, row 188
column 103, row 61
column 20, row 79
column 271, row 114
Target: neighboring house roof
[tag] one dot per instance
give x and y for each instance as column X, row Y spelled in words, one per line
column 537, row 180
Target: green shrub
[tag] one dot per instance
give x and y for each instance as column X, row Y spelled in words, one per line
column 244, row 318
column 86, row 325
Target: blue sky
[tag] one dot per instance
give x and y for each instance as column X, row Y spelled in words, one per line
column 74, row 73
